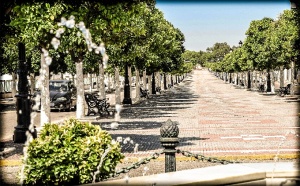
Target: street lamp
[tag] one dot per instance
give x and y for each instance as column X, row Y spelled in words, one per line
column 127, row 98
column 23, row 101
column 240, row 43
column 294, row 4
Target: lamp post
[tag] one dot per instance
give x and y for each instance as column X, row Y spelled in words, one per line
column 153, row 83
column 240, row 43
column 23, row 101
column 127, row 98
column 238, row 79
column 294, row 4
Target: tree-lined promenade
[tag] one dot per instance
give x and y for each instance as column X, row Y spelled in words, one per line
column 216, row 119
column 137, row 40
column 134, row 37
column 270, row 47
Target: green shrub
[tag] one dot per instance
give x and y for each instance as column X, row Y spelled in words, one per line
column 69, row 154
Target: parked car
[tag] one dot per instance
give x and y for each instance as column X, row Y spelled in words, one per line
column 62, row 95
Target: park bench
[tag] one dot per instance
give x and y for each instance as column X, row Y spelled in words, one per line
column 97, row 106
column 284, row 90
column 144, row 93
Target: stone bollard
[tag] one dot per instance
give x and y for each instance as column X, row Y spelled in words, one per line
column 169, row 140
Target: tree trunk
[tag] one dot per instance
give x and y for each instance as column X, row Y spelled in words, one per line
column 249, row 79
column 158, row 80
column 272, row 81
column 255, row 79
column 137, row 84
column 109, row 82
column 102, row 94
column 281, row 79
column 150, row 83
column 145, row 80
column 268, row 81
column 117, row 83
column 292, row 92
column 32, row 83
column 14, row 85
column 80, row 90
column 130, row 79
column 91, row 82
column 45, row 94
column 73, row 79
column 153, row 83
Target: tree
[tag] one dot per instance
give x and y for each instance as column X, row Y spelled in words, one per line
column 217, row 52
column 253, row 45
column 32, row 24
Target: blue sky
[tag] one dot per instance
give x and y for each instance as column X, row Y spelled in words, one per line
column 205, row 23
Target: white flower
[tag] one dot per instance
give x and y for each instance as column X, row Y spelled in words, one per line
column 102, row 49
column 63, row 21
column 55, row 43
column 114, row 125
column 81, row 26
column 117, row 117
column 70, row 23
column 118, row 108
column 93, row 45
column 48, row 60
column 119, row 139
column 136, row 148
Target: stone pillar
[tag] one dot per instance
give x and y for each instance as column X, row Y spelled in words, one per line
column 169, row 140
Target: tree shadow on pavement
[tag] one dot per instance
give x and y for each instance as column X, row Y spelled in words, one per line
column 135, row 125
column 147, row 142
column 161, row 105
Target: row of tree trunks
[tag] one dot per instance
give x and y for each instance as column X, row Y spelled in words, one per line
column 251, row 81
column 154, row 81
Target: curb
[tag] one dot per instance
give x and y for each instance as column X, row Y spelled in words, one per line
column 261, row 157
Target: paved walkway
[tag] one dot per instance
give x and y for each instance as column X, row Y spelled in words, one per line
column 215, row 118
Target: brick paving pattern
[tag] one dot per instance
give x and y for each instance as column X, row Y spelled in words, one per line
column 215, row 118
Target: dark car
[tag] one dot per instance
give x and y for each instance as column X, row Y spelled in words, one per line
column 62, row 95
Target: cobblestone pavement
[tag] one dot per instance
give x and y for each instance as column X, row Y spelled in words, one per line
column 215, row 119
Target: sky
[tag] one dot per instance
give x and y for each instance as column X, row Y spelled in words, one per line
column 205, row 23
